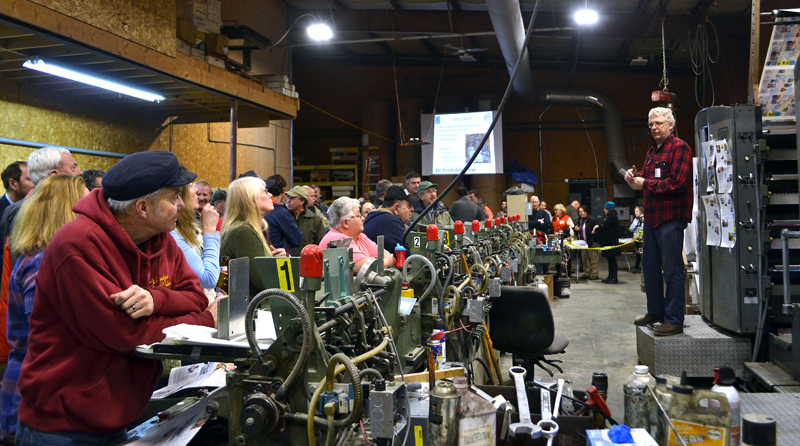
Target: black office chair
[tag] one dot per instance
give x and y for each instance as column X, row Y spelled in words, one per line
column 521, row 323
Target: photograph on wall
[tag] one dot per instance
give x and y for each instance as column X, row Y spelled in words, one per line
column 724, row 173
column 727, row 221
column 709, row 152
column 712, row 220
column 775, row 90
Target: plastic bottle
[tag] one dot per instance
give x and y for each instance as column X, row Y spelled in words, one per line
column 399, row 256
column 724, row 382
column 658, row 424
column 638, row 402
column 700, row 416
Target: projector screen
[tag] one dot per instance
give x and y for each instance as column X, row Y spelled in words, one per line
column 453, row 140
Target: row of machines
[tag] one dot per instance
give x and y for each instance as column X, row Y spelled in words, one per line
column 375, row 327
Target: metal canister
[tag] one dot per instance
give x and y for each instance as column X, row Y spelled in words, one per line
column 442, row 417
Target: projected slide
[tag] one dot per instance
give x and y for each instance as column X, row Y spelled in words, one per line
column 455, row 139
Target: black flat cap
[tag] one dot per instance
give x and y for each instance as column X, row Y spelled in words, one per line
column 142, row 173
column 252, row 173
column 396, row 193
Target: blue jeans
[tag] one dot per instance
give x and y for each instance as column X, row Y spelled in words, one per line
column 28, row 436
column 662, row 262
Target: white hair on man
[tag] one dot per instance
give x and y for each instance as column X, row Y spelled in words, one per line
column 125, row 207
column 43, row 161
column 342, row 209
column 662, row 111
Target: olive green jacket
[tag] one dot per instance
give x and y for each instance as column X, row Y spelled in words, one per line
column 312, row 227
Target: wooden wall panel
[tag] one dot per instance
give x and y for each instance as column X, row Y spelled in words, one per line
column 150, row 23
column 60, row 126
column 211, row 161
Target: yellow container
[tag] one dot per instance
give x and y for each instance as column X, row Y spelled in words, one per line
column 700, row 416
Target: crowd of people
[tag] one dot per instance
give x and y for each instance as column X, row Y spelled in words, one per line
column 96, row 263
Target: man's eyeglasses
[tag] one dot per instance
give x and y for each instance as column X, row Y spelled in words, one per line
column 656, row 123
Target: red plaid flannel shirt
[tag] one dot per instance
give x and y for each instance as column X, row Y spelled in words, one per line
column 669, row 196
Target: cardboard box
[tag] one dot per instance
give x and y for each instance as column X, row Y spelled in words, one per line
column 206, row 26
column 182, row 47
column 320, row 176
column 189, row 9
column 216, row 44
column 215, row 61
column 599, row 437
column 548, row 280
column 186, row 31
column 215, row 10
column 198, row 54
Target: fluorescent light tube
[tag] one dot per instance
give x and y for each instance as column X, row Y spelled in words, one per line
column 89, row 79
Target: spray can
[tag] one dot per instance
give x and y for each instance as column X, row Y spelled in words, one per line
column 437, row 348
column 724, row 382
column 638, row 403
column 600, row 382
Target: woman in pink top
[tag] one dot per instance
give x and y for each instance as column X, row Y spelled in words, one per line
column 346, row 221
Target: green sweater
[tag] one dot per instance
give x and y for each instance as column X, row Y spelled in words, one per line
column 244, row 242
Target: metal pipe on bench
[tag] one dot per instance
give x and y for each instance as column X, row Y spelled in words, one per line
column 785, row 236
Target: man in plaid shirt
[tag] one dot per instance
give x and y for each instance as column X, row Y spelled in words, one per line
column 666, row 181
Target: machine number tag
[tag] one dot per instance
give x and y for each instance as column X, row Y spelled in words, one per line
column 417, row 242
column 285, row 274
column 447, row 238
column 418, row 436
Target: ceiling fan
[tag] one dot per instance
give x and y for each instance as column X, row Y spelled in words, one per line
column 464, row 53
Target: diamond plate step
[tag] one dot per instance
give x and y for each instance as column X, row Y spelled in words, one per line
column 772, row 377
column 784, row 407
column 696, row 351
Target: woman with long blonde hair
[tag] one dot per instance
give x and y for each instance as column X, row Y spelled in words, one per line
column 243, row 228
column 44, row 212
column 200, row 245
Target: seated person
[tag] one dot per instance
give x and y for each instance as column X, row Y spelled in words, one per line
column 109, row 281
column 390, row 219
column 438, row 215
column 346, row 221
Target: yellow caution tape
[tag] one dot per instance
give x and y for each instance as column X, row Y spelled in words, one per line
column 602, row 248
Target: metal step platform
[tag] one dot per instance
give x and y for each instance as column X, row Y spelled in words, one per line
column 772, row 377
column 696, row 351
column 784, row 407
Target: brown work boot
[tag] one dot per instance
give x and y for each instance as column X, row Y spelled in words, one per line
column 647, row 319
column 667, row 329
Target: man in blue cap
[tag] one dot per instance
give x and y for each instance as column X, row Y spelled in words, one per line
column 109, row 281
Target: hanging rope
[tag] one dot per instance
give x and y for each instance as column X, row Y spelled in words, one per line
column 699, row 50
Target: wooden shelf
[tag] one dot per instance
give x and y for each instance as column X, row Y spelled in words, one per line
column 257, row 104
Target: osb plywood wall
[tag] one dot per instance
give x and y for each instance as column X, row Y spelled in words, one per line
column 211, row 161
column 150, row 23
column 60, row 126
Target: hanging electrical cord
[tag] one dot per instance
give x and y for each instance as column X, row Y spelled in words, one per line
column 596, row 165
column 488, row 133
column 701, row 58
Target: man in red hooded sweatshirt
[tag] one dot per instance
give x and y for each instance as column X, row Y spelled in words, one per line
column 110, row 280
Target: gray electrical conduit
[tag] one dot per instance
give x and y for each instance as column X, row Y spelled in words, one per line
column 428, row 264
column 305, row 350
column 274, row 154
column 39, row 145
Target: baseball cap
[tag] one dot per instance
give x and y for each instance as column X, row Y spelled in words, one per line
column 396, row 193
column 297, row 191
column 425, row 185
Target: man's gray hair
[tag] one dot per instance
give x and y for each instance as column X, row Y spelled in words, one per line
column 124, row 207
column 42, row 161
column 382, row 187
column 342, row 209
column 662, row 111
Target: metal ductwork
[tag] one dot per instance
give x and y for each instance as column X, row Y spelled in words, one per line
column 506, row 19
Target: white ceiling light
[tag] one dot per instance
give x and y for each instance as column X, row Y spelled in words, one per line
column 320, row 31
column 586, row 17
column 74, row 74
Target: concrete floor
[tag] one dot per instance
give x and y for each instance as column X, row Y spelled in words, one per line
column 598, row 321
